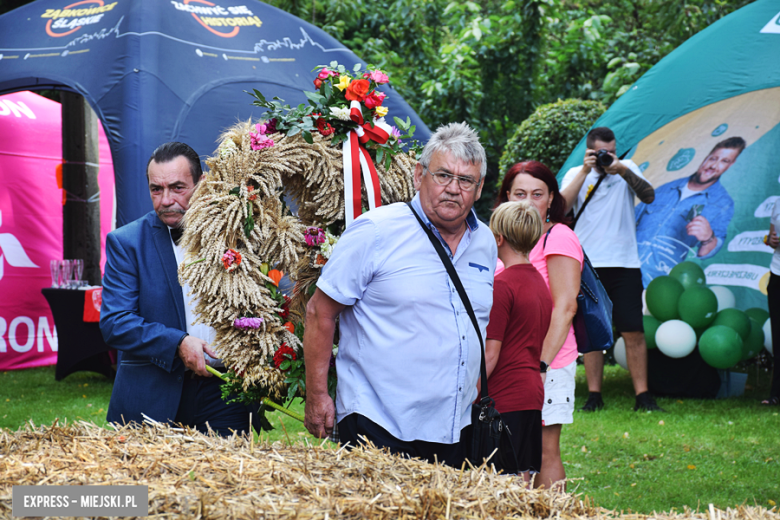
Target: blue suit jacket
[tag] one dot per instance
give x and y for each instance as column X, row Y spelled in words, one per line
column 142, row 316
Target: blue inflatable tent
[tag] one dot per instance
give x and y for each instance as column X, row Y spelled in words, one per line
column 157, row 71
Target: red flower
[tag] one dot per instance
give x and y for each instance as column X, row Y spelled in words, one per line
column 279, row 357
column 285, row 308
column 250, row 189
column 375, row 99
column 324, row 127
column 357, row 90
column 317, row 82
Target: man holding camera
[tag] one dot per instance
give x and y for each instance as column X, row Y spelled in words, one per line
column 601, row 192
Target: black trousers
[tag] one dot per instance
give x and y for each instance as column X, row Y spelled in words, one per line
column 202, row 407
column 355, row 426
column 773, row 297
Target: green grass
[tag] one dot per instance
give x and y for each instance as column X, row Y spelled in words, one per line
column 724, row 452
column 33, row 394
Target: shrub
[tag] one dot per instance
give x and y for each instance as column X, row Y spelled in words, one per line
column 550, row 133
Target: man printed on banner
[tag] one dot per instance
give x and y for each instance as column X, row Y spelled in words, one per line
column 691, row 214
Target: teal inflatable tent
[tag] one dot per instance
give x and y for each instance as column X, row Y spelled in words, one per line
column 720, row 89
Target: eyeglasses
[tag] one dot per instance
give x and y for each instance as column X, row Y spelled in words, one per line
column 444, row 179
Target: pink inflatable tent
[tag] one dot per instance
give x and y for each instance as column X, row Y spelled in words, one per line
column 31, row 224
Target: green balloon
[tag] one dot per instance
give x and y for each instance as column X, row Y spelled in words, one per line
column 754, row 342
column 758, row 314
column 720, row 347
column 651, row 325
column 688, row 274
column 698, row 306
column 736, row 319
column 662, row 296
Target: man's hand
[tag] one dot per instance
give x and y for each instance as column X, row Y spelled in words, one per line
column 700, row 228
column 191, row 352
column 617, row 167
column 589, row 161
column 320, row 415
column 773, row 241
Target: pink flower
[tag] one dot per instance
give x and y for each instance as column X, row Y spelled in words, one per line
column 248, row 323
column 261, row 128
column 259, row 141
column 374, row 99
column 379, row 77
column 314, row 236
column 395, row 132
column 325, row 74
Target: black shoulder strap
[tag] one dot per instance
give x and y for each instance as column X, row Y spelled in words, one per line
column 546, row 236
column 587, row 199
column 463, row 296
column 590, row 195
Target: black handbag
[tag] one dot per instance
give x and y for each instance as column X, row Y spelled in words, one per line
column 491, row 439
column 593, row 321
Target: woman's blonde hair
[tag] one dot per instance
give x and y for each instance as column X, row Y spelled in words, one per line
column 519, row 223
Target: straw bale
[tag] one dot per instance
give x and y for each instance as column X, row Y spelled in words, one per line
column 197, row 476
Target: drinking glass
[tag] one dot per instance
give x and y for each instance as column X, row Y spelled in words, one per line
column 78, row 270
column 55, row 274
column 66, row 271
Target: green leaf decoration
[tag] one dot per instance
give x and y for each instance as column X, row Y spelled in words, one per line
column 314, row 97
column 249, row 223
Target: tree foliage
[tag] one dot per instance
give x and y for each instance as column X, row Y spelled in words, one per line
column 550, row 133
column 492, row 62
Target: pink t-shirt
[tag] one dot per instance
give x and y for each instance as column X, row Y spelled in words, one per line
column 562, row 241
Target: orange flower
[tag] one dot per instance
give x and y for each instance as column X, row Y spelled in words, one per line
column 357, row 90
column 250, row 189
column 289, row 326
column 320, row 260
column 275, row 275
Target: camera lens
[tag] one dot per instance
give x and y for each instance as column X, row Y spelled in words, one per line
column 603, row 158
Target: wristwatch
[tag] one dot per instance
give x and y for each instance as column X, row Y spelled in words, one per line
column 543, row 367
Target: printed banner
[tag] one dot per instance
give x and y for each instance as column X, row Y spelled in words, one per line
column 716, row 183
column 31, row 224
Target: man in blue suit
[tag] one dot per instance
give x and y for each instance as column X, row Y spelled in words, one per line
column 161, row 370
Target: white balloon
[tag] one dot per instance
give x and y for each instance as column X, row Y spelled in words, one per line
column 675, row 338
column 620, row 352
column 768, row 336
column 645, row 310
column 725, row 297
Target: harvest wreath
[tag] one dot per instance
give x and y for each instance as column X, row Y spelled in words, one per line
column 278, row 195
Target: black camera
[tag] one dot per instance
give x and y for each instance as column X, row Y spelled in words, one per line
column 603, row 158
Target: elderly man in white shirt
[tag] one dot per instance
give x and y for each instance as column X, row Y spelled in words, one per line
column 409, row 356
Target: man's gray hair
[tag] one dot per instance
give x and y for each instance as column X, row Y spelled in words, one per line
column 459, row 140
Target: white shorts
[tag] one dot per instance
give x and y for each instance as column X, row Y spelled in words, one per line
column 559, row 395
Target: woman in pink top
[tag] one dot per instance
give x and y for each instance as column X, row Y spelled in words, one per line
column 558, row 258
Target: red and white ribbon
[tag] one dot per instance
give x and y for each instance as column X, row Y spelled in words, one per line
column 357, row 161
